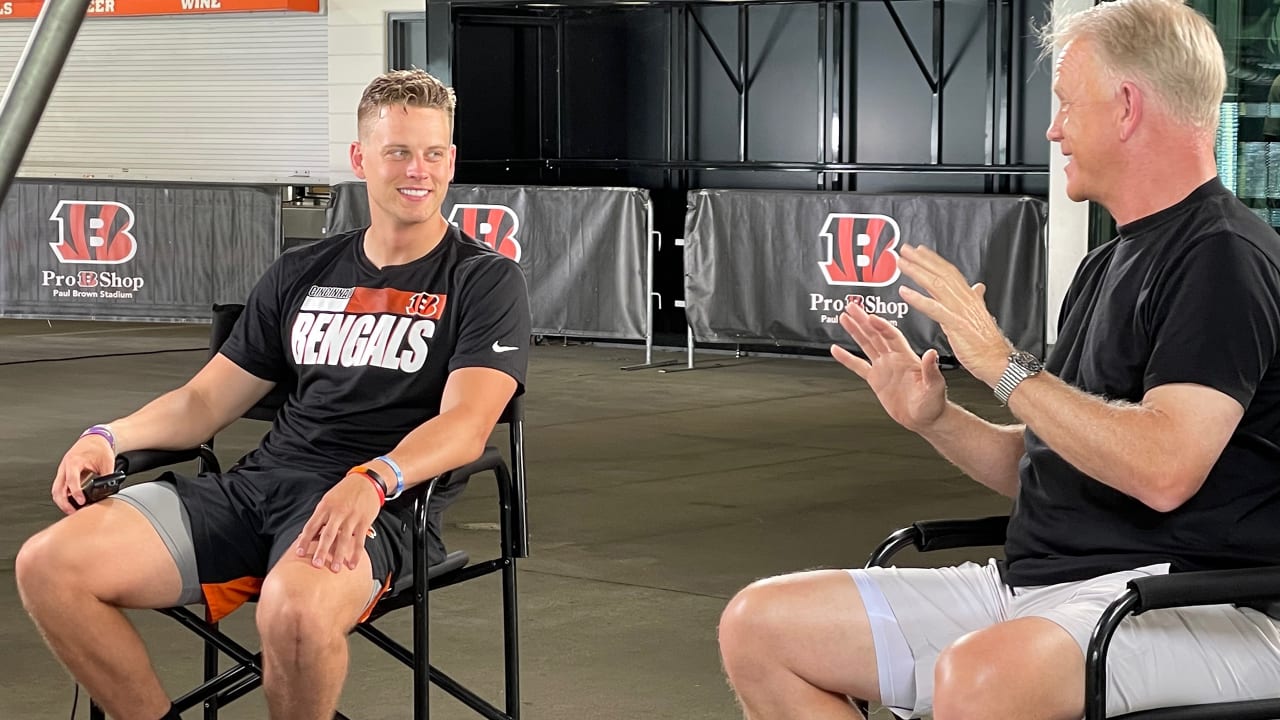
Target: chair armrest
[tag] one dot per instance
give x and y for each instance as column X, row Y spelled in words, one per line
column 929, row 535
column 1247, row 586
column 970, row 532
column 491, row 459
column 509, row 497
column 138, row 461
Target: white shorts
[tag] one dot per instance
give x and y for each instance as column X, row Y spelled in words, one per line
column 1162, row 658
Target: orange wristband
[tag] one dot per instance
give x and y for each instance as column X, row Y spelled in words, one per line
column 374, row 479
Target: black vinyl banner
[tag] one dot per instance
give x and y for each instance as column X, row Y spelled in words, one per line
column 769, row 266
column 583, row 249
column 132, row 251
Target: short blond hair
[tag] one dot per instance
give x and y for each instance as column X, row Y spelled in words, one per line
column 1162, row 44
column 405, row 88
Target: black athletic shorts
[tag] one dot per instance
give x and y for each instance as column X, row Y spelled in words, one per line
column 244, row 520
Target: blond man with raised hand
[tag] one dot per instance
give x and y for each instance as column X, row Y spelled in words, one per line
column 1148, row 442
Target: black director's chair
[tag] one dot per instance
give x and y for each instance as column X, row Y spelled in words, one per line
column 245, row 674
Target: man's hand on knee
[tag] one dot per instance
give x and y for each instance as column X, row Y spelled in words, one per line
column 335, row 534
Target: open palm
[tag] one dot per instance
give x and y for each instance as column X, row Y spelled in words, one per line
column 910, row 387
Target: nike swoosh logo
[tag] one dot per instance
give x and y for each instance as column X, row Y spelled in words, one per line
column 499, row 348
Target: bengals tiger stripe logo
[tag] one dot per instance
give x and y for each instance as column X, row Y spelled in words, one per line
column 94, row 232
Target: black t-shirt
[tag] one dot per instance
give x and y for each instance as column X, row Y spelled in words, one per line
column 1190, row 294
column 370, row 349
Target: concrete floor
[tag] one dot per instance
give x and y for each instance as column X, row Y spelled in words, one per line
column 653, row 498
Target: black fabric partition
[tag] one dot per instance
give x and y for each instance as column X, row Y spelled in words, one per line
column 767, row 266
column 132, row 251
column 584, row 250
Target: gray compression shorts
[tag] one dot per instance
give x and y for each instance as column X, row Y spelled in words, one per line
column 159, row 502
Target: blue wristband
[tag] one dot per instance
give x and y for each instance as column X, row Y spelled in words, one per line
column 399, row 476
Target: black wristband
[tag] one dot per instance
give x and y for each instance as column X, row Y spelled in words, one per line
column 366, row 470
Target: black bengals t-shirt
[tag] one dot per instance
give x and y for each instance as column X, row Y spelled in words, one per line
column 371, row 349
column 1190, row 294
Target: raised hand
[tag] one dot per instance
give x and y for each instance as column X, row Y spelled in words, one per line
column 959, row 308
column 909, row 387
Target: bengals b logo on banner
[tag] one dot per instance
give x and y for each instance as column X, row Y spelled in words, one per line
column 94, row 232
column 493, row 225
column 860, row 249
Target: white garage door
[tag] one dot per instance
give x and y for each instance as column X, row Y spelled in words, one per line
column 239, row 98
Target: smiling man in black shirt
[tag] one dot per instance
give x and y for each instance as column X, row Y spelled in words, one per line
column 405, row 341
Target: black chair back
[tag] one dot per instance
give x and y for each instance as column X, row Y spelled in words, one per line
column 224, row 319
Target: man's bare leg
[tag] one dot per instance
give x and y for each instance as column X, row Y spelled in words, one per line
column 304, row 616
column 73, row 578
column 1028, row 668
column 798, row 646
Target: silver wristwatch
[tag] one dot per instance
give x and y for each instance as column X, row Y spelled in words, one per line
column 1022, row 365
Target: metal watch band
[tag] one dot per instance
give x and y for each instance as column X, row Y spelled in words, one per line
column 1012, row 377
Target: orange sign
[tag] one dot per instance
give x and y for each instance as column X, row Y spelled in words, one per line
column 19, row 9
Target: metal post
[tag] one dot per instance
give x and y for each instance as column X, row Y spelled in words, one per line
column 1011, row 133
column 33, row 81
column 824, row 125
column 993, row 73
column 649, row 295
column 440, row 40
column 559, row 29
column 688, row 342
column 655, row 244
column 668, row 100
column 421, row 607
column 939, row 18
column 683, row 28
column 689, row 364
column 744, row 86
column 680, row 242
column 839, row 124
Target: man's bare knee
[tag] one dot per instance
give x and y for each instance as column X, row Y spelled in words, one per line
column 745, row 629
column 288, row 616
column 1027, row 668
column 70, row 555
column 966, row 680
column 295, row 613
column 53, row 561
column 794, row 646
column 797, row 623
column 39, row 565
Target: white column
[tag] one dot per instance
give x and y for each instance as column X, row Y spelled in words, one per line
column 1068, row 220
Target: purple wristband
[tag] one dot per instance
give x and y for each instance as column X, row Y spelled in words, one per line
column 104, row 432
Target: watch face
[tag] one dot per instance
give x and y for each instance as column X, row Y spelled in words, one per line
column 1027, row 360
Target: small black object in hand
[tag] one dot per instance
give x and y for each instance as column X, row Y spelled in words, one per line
column 100, row 487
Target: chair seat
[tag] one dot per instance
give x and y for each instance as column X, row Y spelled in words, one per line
column 455, row 560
